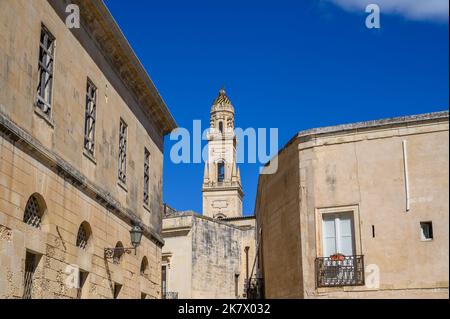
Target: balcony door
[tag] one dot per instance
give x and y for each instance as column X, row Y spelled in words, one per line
column 338, row 234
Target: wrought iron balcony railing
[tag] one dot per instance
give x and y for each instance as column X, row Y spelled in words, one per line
column 339, row 271
column 255, row 288
column 170, row 295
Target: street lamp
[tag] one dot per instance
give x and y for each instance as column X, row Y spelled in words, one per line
column 136, row 236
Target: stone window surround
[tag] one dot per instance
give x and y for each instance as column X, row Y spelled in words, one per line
column 354, row 209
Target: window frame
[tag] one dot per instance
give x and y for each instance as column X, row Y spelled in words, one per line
column 90, row 118
column 354, row 209
column 123, row 141
column 220, row 176
column 146, row 198
column 45, row 67
column 422, row 234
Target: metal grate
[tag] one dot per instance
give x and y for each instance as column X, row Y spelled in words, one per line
column 170, row 295
column 46, row 66
column 89, row 121
column 33, row 214
column 146, row 176
column 118, row 253
column 340, row 271
column 255, row 288
column 82, row 237
column 123, row 152
column 30, row 267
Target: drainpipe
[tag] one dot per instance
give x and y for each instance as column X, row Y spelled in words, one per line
column 405, row 165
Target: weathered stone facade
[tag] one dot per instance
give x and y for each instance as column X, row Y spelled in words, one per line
column 42, row 157
column 206, row 258
column 391, row 177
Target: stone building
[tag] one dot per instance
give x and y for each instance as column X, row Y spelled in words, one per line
column 213, row 255
column 222, row 189
column 358, row 211
column 207, row 258
column 81, row 155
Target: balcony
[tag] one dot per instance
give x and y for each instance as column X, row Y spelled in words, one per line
column 170, row 295
column 255, row 288
column 339, row 271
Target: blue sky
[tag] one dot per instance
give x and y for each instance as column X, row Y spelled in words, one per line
column 290, row 65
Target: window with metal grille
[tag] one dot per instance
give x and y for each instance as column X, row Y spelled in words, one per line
column 116, row 292
column 146, row 176
column 118, row 253
column 45, row 72
column 82, row 237
column 82, row 276
column 30, row 268
column 33, row 213
column 123, row 152
column 89, row 120
column 144, row 267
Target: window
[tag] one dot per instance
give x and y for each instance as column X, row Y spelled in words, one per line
column 89, row 118
column 236, row 285
column 426, row 230
column 31, row 261
column 33, row 212
column 144, row 267
column 146, row 176
column 338, row 234
column 220, row 172
column 123, row 152
column 82, row 277
column 164, row 282
column 83, row 235
column 116, row 290
column 118, row 253
column 221, row 127
column 45, row 72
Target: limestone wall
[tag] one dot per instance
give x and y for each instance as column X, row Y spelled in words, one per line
column 360, row 168
column 45, row 156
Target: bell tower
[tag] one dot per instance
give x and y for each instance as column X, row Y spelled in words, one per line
column 222, row 189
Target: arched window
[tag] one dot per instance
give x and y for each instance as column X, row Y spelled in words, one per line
column 220, row 172
column 118, row 253
column 34, row 211
column 84, row 232
column 221, row 127
column 144, row 267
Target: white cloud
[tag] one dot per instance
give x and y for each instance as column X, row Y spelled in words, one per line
column 434, row 10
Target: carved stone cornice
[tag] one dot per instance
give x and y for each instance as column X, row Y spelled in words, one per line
column 101, row 26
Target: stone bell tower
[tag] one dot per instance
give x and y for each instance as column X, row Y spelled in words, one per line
column 222, row 189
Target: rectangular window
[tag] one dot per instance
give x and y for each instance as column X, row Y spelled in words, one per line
column 89, row 118
column 164, row 282
column 82, row 277
column 426, row 230
column 123, row 152
column 31, row 261
column 45, row 72
column 146, row 176
column 116, row 292
column 338, row 234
